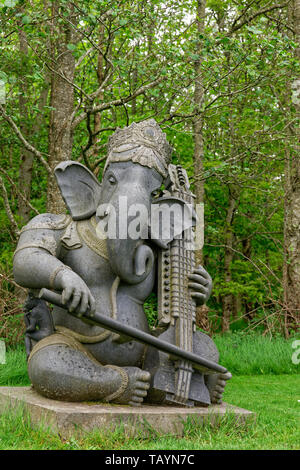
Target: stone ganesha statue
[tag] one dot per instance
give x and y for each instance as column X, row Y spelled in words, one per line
column 69, row 359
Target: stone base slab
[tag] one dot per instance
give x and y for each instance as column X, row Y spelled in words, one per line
column 69, row 418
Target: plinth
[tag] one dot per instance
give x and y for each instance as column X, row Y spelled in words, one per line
column 69, row 418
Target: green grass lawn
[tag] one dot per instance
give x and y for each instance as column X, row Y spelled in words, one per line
column 253, row 354
column 273, row 393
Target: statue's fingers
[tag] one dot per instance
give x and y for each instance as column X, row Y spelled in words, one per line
column 137, row 399
column 134, row 403
column 143, row 385
column 198, row 287
column 92, row 303
column 217, row 398
column 84, row 303
column 202, row 272
column 66, row 295
column 144, row 375
column 222, row 383
column 199, row 279
column 198, row 296
column 75, row 301
column 226, row 376
column 217, row 401
column 140, row 393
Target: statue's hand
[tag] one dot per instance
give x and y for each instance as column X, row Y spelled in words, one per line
column 201, row 285
column 75, row 292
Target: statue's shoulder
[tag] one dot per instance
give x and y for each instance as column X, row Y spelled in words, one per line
column 48, row 221
column 44, row 231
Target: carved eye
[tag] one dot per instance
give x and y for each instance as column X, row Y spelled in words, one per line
column 112, row 180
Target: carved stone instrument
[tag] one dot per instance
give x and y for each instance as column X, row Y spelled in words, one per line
column 176, row 382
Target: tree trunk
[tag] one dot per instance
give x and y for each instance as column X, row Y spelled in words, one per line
column 228, row 300
column 292, row 203
column 26, row 157
column 29, row 132
column 202, row 312
column 247, row 246
column 237, row 306
column 62, row 64
column 100, row 75
column 134, row 84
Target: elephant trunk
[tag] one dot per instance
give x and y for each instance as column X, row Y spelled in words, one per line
column 143, row 260
column 131, row 261
column 130, row 256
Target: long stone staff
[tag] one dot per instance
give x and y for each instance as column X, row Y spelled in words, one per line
column 200, row 363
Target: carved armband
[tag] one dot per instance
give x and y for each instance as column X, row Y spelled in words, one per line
column 48, row 222
column 46, row 243
column 35, row 236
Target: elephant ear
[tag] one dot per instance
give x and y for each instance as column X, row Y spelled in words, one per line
column 170, row 216
column 79, row 188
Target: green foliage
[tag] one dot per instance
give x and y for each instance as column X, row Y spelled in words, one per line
column 14, row 372
column 252, row 354
column 150, row 307
column 245, row 112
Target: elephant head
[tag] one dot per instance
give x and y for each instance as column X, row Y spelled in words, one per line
column 121, row 205
column 128, row 190
column 136, row 167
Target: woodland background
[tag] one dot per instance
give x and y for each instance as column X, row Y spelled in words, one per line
column 222, row 78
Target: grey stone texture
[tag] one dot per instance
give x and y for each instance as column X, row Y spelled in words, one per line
column 70, row 418
column 69, row 358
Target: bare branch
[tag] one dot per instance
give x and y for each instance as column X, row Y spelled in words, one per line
column 236, row 20
column 56, row 72
column 8, row 209
column 277, row 20
column 18, row 191
column 26, row 144
column 236, row 26
column 100, row 160
column 119, row 102
column 86, row 53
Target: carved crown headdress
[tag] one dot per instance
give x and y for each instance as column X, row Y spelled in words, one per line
column 142, row 143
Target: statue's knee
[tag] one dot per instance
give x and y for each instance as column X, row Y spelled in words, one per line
column 62, row 372
column 46, row 369
column 204, row 346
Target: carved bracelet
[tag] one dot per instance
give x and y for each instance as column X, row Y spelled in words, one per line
column 55, row 272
